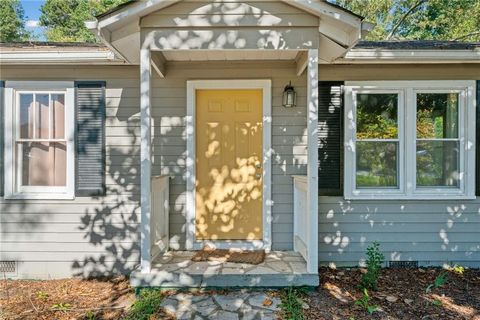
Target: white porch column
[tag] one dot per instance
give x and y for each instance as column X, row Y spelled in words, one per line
column 145, row 158
column 312, row 156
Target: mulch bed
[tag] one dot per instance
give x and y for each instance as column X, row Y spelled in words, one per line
column 401, row 294
column 72, row 299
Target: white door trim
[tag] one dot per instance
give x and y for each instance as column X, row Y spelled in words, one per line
column 192, row 86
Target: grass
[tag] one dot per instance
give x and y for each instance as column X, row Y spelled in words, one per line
column 292, row 303
column 146, row 305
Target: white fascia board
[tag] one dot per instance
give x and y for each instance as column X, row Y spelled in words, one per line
column 58, row 57
column 410, row 56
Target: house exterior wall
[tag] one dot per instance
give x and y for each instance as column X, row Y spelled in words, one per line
column 431, row 232
column 87, row 236
column 90, row 236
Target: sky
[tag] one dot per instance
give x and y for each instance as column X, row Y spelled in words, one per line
column 32, row 14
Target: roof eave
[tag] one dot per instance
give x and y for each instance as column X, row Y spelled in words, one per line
column 403, row 56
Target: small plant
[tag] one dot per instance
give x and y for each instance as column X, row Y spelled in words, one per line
column 292, row 303
column 64, row 307
column 89, row 315
column 437, row 303
column 375, row 259
column 147, row 304
column 41, row 295
column 440, row 280
column 364, row 302
column 457, row 269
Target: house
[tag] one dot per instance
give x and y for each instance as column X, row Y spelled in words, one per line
column 242, row 124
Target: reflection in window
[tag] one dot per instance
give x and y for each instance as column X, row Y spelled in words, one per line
column 41, row 147
column 437, row 153
column 377, row 140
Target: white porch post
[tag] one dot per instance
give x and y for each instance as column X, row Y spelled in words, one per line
column 312, row 155
column 145, row 158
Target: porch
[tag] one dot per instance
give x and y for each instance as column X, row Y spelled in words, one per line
column 175, row 269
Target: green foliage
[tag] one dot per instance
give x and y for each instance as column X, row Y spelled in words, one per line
column 89, row 315
column 374, row 263
column 440, row 280
column 419, row 19
column 292, row 303
column 458, row 269
column 364, row 302
column 437, row 303
column 147, row 305
column 12, row 21
column 41, row 295
column 65, row 19
column 64, row 307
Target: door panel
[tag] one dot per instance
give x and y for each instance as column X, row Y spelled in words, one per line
column 229, row 173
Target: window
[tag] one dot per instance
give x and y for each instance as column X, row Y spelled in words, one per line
column 39, row 140
column 410, row 139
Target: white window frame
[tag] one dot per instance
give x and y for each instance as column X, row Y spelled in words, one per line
column 407, row 134
column 13, row 188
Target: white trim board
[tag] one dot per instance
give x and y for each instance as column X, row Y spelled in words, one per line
column 192, row 86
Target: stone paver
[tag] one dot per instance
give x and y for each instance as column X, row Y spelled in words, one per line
column 235, row 305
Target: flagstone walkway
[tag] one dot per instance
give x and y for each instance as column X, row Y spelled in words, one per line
column 237, row 305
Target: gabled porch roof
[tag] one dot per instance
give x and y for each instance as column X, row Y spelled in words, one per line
column 338, row 28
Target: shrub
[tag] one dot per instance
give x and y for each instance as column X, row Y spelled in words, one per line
column 375, row 259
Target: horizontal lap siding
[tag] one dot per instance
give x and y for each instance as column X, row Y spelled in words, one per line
column 431, row 232
column 288, row 140
column 89, row 235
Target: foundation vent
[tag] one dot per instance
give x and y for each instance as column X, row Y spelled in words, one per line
column 8, row 267
column 403, row 264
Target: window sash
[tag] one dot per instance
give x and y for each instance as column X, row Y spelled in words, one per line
column 352, row 163
column 408, row 141
column 13, row 180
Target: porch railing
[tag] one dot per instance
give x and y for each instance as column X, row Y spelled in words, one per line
column 302, row 220
column 159, row 232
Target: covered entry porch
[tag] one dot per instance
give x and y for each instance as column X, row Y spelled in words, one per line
column 186, row 47
column 163, row 264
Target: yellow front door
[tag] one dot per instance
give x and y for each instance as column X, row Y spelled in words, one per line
column 229, row 165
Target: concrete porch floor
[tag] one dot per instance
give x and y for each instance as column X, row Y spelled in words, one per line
column 175, row 269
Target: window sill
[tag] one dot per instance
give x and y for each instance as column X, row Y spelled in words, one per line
column 36, row 196
column 416, row 197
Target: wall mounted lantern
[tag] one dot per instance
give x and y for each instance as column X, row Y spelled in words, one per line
column 289, row 96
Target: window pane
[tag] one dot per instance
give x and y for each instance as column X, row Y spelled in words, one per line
column 26, row 116
column 377, row 116
column 377, row 164
column 437, row 163
column 437, row 115
column 42, row 116
column 58, row 124
column 43, row 163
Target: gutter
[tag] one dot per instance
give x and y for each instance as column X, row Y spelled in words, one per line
column 362, row 56
column 58, row 57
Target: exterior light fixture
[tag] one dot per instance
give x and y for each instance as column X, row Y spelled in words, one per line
column 289, row 96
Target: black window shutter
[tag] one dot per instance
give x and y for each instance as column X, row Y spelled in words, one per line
column 477, row 164
column 330, row 138
column 90, row 138
column 2, row 136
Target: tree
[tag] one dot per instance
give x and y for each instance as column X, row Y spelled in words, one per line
column 419, row 19
column 65, row 19
column 12, row 21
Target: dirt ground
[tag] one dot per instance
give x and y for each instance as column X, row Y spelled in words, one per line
column 65, row 299
column 401, row 294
